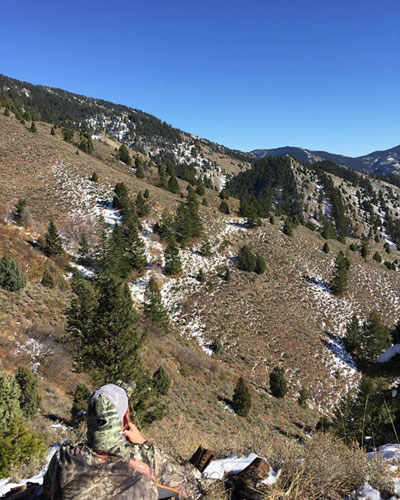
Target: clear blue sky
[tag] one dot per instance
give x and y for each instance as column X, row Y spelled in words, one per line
column 322, row 74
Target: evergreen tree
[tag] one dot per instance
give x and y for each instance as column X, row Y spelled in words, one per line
column 200, row 189
column 277, row 382
column 241, row 401
column 47, row 279
column 288, row 227
column 204, row 202
column 83, row 250
column 80, row 401
column 153, row 305
column 123, row 155
column 163, row 177
column 325, row 248
column 216, row 346
column 340, row 277
column 53, row 241
column 377, row 257
column 142, row 206
column 12, row 277
column 328, row 230
column 365, row 249
column 20, row 213
column 246, row 259
column 117, row 262
column 139, row 173
column 33, row 127
column 224, row 208
column 146, row 194
column 395, row 334
column 205, row 249
column 375, row 338
column 68, row 134
column 302, row 399
column 201, row 276
column 173, row 185
column 10, row 393
column 6, row 112
column 352, row 340
column 173, row 264
column 95, row 177
column 161, row 381
column 109, row 350
column 260, row 265
column 228, row 274
column 29, row 399
column 135, row 248
column 272, row 220
column 53, row 131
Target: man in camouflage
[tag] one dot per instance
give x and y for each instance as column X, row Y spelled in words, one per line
column 116, row 462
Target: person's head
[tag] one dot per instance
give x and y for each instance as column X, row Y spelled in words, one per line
column 107, row 410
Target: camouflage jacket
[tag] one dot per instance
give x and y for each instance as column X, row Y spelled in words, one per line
column 125, row 473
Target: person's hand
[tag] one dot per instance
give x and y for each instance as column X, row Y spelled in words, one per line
column 133, row 434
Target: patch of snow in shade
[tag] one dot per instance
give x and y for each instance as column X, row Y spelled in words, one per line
column 387, row 452
column 366, row 492
column 85, row 271
column 217, row 469
column 389, row 353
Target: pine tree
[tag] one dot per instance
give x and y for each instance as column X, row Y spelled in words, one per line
column 161, row 381
column 205, row 249
column 272, row 220
column 173, row 185
column 241, row 401
column 80, row 399
column 47, row 279
column 9, row 400
column 153, row 305
column 53, row 241
column 135, row 248
column 163, row 177
column 224, row 208
column 288, row 227
column 142, row 206
column 95, row 177
column 340, row 277
column 200, row 189
column 375, row 338
column 12, row 277
column 166, row 227
column 246, row 259
column 53, row 131
column 302, row 399
column 325, row 248
column 83, row 250
column 260, row 266
column 6, row 112
column 216, row 346
column 228, row 274
column 19, row 211
column 377, row 257
column 365, row 249
column 68, row 134
column 328, row 230
column 33, row 127
column 139, row 172
column 29, row 399
column 146, row 194
column 277, row 382
column 173, row 264
column 117, row 261
column 123, row 155
column 108, row 346
column 352, row 340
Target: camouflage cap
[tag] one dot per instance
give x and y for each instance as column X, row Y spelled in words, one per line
column 106, row 407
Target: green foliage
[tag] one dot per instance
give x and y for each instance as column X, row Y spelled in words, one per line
column 142, row 206
column 328, row 230
column 173, row 264
column 377, row 257
column 375, row 338
column 353, row 247
column 272, row 220
column 340, row 277
column 166, row 227
column 288, row 227
column 80, row 399
column 187, row 220
column 201, row 276
column 53, row 241
column 277, row 382
column 21, row 212
column 18, row 445
column 228, row 275
column 365, row 248
column 146, row 194
column 246, row 259
column 84, row 256
column 206, row 249
column 173, row 185
column 6, row 112
column 86, row 143
column 117, row 262
column 367, row 411
column 123, row 155
column 224, row 208
column 325, row 248
column 153, row 305
column 216, row 346
column 12, row 277
column 33, row 127
column 47, row 279
column 53, row 131
column 302, row 399
column 68, row 134
column 161, row 381
column 200, row 190
column 241, row 401
column 352, row 340
column 9, row 400
column 260, row 266
column 163, row 177
column 29, row 399
column 135, row 248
